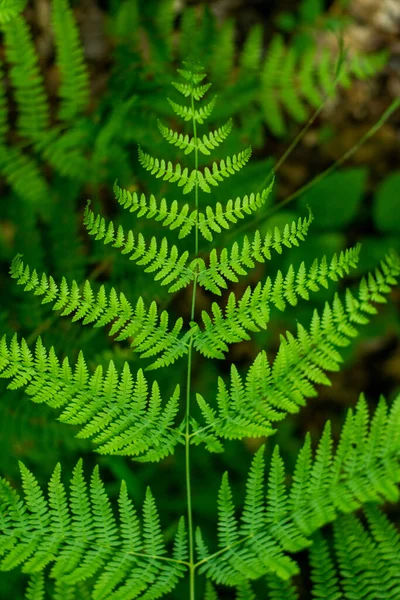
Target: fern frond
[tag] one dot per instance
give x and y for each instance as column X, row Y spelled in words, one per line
column 74, row 87
column 150, row 331
column 9, row 9
column 23, row 175
column 169, row 267
column 117, row 412
column 170, row 216
column 204, row 144
column 271, row 391
column 226, row 168
column 123, row 561
column 220, row 217
column 188, row 89
column 169, row 172
column 229, row 264
column 291, row 80
column 26, row 79
column 251, row 312
column 288, row 519
column 198, row 114
column 366, row 570
column 323, row 570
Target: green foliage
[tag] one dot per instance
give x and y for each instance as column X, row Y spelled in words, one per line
column 70, row 542
column 336, row 200
column 386, row 209
column 10, row 9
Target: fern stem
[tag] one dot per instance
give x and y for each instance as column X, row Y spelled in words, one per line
column 188, row 384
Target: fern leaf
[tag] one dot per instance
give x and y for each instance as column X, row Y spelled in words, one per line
column 150, row 331
column 170, row 216
column 118, row 413
column 27, row 81
column 226, row 168
column 292, row 517
column 158, row 258
column 122, row 561
column 204, row 144
column 323, row 573
column 229, row 264
column 251, row 311
column 9, row 9
column 271, row 391
column 187, row 113
column 74, row 87
column 169, row 172
column 220, row 217
column 361, row 560
column 23, row 175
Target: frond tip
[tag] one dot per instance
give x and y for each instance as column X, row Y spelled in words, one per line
column 79, row 536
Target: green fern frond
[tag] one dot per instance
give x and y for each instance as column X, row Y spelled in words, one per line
column 150, row 331
column 220, row 217
column 35, row 589
column 229, row 264
column 365, row 568
column 26, row 79
column 270, row 392
column 23, row 175
column 182, row 176
column 204, row 144
column 79, row 535
column 279, row 589
column 291, row 80
column 117, row 412
column 288, row 519
column 169, row 267
column 9, row 9
column 171, row 216
column 187, row 113
column 169, row 172
column 251, row 312
column 188, row 89
column 74, row 87
column 323, row 571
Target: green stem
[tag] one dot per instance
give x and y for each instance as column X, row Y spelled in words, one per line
column 188, row 383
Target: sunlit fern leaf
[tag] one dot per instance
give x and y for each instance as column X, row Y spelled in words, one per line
column 120, row 414
column 365, row 568
column 251, row 312
column 315, row 498
column 26, row 79
column 168, row 172
column 80, row 536
column 204, row 144
column 323, row 570
column 187, row 113
column 236, row 261
column 150, row 331
column 270, row 392
column 9, row 9
column 171, row 215
column 157, row 257
column 221, row 217
column 74, row 86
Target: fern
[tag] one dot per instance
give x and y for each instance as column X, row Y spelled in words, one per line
column 72, row 537
column 81, row 528
column 74, row 92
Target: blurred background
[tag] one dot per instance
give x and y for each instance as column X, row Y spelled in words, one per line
column 273, row 64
